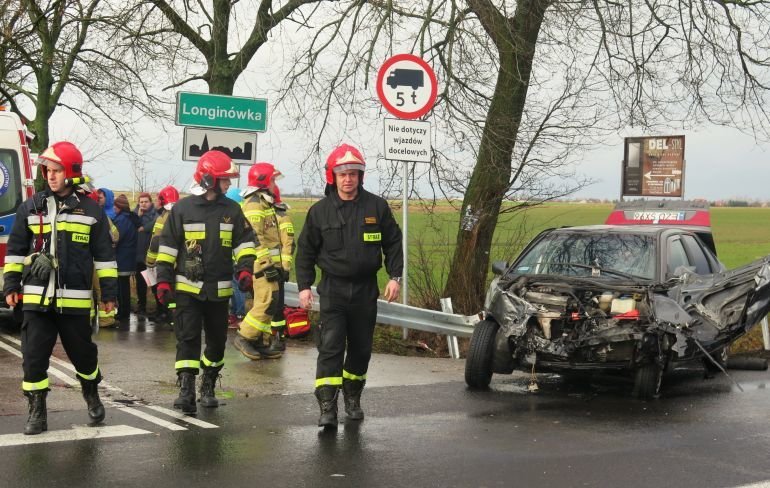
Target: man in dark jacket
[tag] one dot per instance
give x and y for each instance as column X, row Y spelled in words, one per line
column 145, row 210
column 205, row 234
column 57, row 279
column 125, row 253
column 345, row 235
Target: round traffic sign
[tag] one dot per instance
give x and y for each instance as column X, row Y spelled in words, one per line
column 407, row 86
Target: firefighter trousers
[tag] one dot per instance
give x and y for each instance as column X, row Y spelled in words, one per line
column 348, row 315
column 192, row 317
column 278, row 319
column 38, row 338
column 256, row 323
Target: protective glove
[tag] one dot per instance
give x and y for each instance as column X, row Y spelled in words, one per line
column 245, row 281
column 272, row 273
column 165, row 293
column 41, row 266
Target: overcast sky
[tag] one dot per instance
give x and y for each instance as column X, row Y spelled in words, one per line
column 720, row 163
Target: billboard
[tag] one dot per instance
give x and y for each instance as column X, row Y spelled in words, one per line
column 653, row 166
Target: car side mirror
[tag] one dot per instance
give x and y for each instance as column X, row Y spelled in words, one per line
column 499, row 267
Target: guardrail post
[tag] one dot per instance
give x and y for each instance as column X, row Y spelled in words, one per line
column 765, row 334
column 452, row 344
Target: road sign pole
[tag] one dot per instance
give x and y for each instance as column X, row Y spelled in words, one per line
column 405, row 219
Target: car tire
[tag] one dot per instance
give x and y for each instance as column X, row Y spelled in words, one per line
column 478, row 364
column 647, row 381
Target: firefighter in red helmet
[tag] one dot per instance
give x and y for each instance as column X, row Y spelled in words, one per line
column 345, row 235
column 58, row 238
column 262, row 331
column 167, row 198
column 204, row 241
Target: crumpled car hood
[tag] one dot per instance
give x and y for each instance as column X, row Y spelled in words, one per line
column 568, row 318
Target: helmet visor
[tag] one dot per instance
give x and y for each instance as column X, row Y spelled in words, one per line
column 339, row 168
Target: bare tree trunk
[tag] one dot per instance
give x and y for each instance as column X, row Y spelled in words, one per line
column 222, row 84
column 516, row 39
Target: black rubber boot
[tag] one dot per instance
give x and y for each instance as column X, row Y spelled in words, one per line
column 38, row 416
column 327, row 401
column 254, row 348
column 91, row 395
column 208, row 382
column 186, row 399
column 278, row 341
column 351, row 390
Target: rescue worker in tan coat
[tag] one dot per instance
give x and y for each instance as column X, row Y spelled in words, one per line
column 262, row 331
column 167, row 198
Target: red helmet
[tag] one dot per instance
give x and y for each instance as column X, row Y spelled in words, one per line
column 214, row 165
column 262, row 174
column 344, row 157
column 168, row 195
column 66, row 154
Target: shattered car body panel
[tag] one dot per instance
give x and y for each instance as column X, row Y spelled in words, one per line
column 580, row 316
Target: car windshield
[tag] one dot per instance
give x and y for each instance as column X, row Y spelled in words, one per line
column 591, row 254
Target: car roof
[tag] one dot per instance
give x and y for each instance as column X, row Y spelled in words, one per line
column 618, row 229
column 690, row 214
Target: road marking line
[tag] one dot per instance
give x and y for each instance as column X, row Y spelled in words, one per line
column 77, row 433
column 183, row 417
column 55, row 372
column 124, row 408
column 54, row 359
column 146, row 416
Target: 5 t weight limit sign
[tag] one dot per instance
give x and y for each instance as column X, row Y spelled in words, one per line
column 407, row 86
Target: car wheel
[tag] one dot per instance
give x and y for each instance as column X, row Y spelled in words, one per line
column 647, row 380
column 478, row 364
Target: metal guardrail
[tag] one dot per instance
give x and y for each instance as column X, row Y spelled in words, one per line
column 405, row 316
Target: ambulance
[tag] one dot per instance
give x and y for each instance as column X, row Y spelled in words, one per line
column 16, row 179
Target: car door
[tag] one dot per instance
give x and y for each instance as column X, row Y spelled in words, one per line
column 731, row 301
column 696, row 254
column 676, row 256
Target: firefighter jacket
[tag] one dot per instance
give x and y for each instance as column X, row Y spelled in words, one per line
column 152, row 250
column 273, row 227
column 346, row 239
column 81, row 231
column 198, row 243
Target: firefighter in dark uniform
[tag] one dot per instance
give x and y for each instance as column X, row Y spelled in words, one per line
column 345, row 235
column 204, row 235
column 56, row 280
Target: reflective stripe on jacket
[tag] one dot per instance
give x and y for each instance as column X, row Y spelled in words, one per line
column 83, row 245
column 273, row 227
column 223, row 234
column 346, row 239
column 152, row 250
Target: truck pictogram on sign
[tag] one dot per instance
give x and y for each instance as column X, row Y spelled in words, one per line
column 406, row 77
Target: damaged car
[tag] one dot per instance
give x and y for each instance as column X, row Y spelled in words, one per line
column 637, row 300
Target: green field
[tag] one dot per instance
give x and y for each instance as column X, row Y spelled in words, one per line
column 741, row 234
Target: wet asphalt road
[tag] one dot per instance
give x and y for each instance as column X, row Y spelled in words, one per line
column 423, row 427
